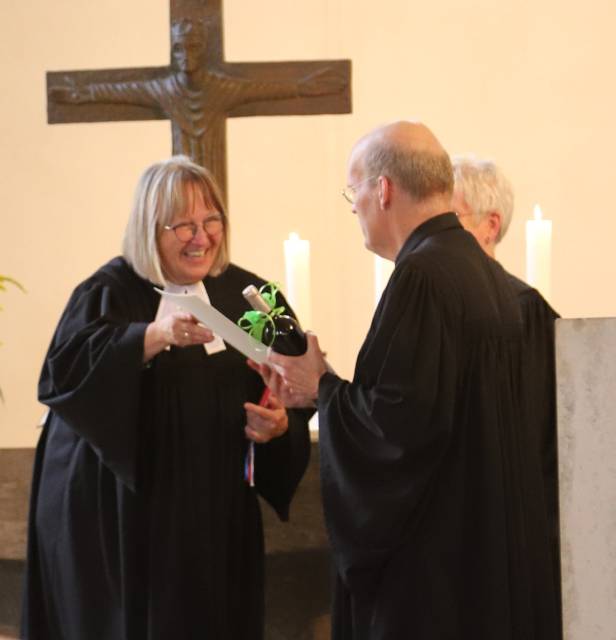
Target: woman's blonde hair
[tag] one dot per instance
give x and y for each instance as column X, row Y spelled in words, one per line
column 160, row 195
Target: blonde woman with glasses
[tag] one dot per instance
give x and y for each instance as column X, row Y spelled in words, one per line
column 142, row 523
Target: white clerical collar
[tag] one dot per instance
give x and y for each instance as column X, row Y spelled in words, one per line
column 166, row 308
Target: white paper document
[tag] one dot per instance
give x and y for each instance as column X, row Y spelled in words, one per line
column 218, row 323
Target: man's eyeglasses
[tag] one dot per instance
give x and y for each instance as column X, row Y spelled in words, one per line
column 349, row 193
column 186, row 231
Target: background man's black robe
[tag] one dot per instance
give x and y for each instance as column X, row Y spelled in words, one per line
column 432, row 488
column 142, row 526
column 538, row 320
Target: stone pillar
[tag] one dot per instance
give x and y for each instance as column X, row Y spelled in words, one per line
column 586, row 397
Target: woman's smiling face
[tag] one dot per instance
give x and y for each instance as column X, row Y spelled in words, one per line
column 190, row 261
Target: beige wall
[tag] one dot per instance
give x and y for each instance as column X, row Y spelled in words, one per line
column 527, row 83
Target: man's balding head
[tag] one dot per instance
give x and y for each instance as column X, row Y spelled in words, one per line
column 399, row 176
column 411, row 155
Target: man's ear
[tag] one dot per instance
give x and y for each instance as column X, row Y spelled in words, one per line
column 385, row 191
column 494, row 225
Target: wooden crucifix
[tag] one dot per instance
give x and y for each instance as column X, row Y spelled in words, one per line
column 198, row 91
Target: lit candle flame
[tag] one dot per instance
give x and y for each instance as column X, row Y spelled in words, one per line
column 538, row 213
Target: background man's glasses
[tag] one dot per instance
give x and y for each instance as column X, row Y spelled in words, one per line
column 186, row 231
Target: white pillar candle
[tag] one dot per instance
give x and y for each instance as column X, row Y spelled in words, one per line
column 297, row 267
column 382, row 272
column 539, row 252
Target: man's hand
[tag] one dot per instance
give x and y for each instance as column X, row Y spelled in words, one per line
column 294, row 379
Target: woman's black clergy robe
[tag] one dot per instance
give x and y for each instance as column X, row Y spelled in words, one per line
column 142, row 526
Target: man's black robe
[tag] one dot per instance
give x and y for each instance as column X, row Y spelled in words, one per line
column 142, row 526
column 432, row 489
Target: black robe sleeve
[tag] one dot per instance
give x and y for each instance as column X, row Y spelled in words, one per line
column 91, row 376
column 383, row 435
column 281, row 463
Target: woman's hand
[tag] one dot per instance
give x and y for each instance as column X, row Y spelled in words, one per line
column 266, row 423
column 178, row 329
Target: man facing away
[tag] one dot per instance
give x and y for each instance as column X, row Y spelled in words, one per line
column 483, row 199
column 430, row 497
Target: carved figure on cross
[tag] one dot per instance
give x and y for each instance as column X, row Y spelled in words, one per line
column 198, row 93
